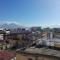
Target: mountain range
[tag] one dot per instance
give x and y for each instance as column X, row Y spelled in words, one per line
column 11, row 26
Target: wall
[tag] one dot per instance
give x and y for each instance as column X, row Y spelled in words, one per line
column 24, row 57
column 33, row 57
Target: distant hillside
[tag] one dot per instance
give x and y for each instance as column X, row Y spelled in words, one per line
column 11, row 26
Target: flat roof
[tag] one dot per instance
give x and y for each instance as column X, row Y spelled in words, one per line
column 43, row 51
column 7, row 55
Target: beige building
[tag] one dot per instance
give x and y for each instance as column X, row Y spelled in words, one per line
column 38, row 54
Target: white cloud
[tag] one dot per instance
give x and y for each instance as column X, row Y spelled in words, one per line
column 8, row 22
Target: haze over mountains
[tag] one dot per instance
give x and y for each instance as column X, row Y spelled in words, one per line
column 11, row 26
column 14, row 25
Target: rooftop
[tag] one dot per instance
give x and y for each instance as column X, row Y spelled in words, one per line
column 43, row 51
column 7, row 55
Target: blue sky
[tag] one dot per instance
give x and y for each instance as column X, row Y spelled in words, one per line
column 30, row 12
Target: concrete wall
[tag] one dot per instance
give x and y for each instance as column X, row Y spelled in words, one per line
column 33, row 57
column 24, row 57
